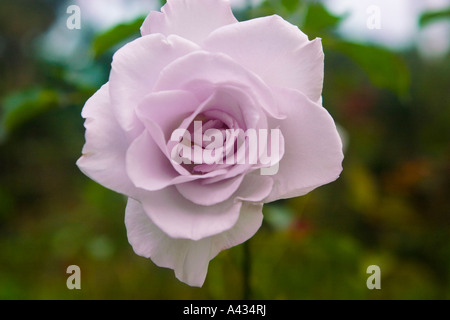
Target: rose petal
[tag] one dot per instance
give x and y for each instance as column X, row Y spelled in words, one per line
column 103, row 158
column 313, row 153
column 275, row 50
column 255, row 188
column 221, row 102
column 209, row 194
column 181, row 218
column 135, row 69
column 189, row 259
column 250, row 220
column 216, row 69
column 148, row 167
column 163, row 112
column 193, row 20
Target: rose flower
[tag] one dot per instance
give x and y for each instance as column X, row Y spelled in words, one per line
column 203, row 120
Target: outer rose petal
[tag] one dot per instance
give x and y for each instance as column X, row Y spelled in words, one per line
column 103, row 158
column 181, row 218
column 275, row 50
column 251, row 187
column 189, row 259
column 135, row 69
column 313, row 153
column 255, row 187
column 193, row 20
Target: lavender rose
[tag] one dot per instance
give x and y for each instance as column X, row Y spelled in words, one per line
column 203, row 120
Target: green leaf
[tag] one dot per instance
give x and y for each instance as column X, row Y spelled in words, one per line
column 290, row 5
column 384, row 68
column 318, row 19
column 19, row 107
column 116, row 35
column 431, row 16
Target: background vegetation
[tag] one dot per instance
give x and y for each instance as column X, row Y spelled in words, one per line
column 390, row 207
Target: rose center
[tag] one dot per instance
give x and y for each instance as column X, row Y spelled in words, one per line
column 209, row 141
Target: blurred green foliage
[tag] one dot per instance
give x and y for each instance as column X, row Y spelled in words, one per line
column 116, row 35
column 24, row 105
column 431, row 16
column 390, row 207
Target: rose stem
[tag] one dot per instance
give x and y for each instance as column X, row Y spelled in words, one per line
column 246, row 269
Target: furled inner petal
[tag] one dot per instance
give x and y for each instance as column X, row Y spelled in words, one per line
column 147, row 166
column 193, row 70
column 162, row 112
column 227, row 109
